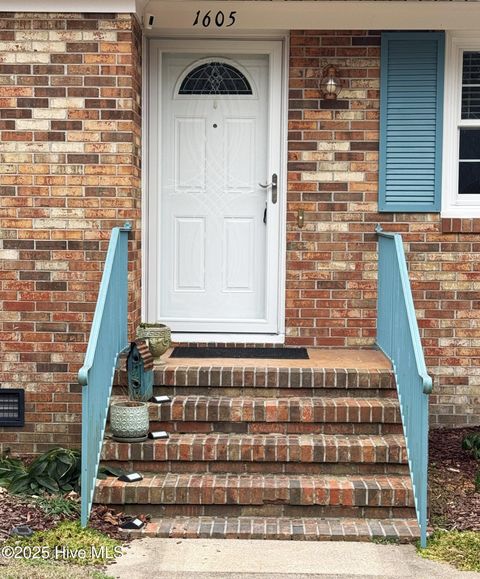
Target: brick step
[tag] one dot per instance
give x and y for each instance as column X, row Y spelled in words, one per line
column 273, row 377
column 295, row 415
column 182, row 427
column 268, row 510
column 269, row 448
column 302, row 529
column 225, row 467
column 241, row 391
column 270, row 381
column 268, row 454
column 381, row 492
column 293, row 409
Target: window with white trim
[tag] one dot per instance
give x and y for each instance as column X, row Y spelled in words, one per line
column 461, row 150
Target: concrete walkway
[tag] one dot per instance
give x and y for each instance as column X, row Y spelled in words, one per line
column 240, row 559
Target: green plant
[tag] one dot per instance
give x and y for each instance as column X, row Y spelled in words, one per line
column 471, row 443
column 56, row 506
column 386, row 540
column 45, row 569
column 106, row 470
column 477, row 481
column 461, row 549
column 9, row 469
column 58, row 470
column 69, row 542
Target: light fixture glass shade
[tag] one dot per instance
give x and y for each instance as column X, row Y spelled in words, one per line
column 330, row 83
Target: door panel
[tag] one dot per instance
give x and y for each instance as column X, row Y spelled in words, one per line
column 239, row 155
column 190, row 154
column 239, row 255
column 189, row 254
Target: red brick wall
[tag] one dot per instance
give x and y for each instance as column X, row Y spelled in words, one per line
column 70, row 171
column 70, row 89
column 331, row 262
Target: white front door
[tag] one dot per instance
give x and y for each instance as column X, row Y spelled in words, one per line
column 219, row 228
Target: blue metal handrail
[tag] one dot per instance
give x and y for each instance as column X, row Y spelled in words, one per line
column 108, row 338
column 398, row 337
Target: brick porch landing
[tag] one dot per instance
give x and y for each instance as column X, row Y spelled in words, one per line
column 318, row 358
column 293, row 449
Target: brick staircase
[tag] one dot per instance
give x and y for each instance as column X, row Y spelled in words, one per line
column 275, row 450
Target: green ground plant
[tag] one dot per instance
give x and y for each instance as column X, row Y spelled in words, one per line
column 386, row 541
column 56, row 471
column 58, row 506
column 27, row 569
column 69, row 542
column 459, row 548
column 471, row 443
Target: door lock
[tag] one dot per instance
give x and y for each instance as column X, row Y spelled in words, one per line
column 274, row 186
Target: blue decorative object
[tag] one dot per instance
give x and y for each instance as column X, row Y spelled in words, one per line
column 140, row 371
column 398, row 337
column 108, row 338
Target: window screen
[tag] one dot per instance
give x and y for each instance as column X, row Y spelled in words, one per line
column 471, row 85
column 469, row 150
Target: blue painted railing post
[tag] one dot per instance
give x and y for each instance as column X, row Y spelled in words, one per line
column 108, row 338
column 399, row 338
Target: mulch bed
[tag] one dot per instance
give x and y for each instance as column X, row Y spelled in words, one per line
column 20, row 510
column 107, row 520
column 15, row 511
column 454, row 504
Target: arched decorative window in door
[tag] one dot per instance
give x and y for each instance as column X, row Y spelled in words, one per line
column 215, row 78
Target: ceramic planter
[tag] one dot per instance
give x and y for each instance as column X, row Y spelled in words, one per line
column 158, row 337
column 129, row 421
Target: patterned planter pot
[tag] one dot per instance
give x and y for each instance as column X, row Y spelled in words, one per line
column 129, row 421
column 158, row 337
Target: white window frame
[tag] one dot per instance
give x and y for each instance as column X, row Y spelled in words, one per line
column 454, row 204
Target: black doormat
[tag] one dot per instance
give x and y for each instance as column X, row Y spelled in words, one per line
column 275, row 353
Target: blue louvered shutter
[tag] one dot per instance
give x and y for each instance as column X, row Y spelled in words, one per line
column 411, row 117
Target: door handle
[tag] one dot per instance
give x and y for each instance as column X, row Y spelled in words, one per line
column 274, row 186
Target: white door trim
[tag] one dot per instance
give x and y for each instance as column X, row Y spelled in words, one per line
column 150, row 232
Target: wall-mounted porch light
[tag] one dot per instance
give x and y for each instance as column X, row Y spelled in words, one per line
column 330, row 84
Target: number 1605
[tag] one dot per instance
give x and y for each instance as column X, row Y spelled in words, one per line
column 219, row 20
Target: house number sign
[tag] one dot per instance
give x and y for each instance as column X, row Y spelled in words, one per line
column 215, row 20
